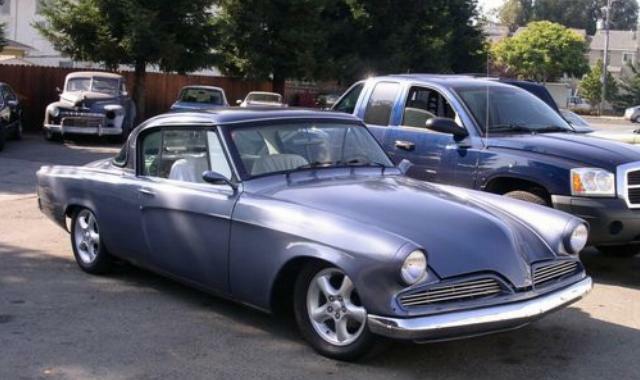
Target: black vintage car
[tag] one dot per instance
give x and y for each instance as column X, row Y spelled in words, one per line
column 10, row 115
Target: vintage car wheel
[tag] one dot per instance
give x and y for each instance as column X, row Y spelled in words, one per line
column 50, row 136
column 620, row 250
column 17, row 134
column 329, row 313
column 527, row 197
column 88, row 248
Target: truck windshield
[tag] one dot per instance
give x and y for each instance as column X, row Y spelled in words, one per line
column 510, row 110
column 297, row 146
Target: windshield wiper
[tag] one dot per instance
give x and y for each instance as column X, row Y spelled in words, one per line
column 552, row 128
column 316, row 164
column 358, row 162
column 512, row 127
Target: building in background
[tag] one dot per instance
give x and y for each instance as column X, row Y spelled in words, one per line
column 623, row 49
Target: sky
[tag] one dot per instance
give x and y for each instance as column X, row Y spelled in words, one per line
column 490, row 4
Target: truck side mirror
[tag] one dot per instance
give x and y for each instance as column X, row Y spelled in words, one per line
column 446, row 125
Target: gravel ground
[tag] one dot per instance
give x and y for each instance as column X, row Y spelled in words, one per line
column 58, row 323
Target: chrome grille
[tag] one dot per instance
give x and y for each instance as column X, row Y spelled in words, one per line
column 93, row 122
column 455, row 292
column 553, row 271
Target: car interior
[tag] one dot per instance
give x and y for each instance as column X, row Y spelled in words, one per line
column 424, row 104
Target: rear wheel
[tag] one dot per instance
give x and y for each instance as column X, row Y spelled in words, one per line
column 88, row 247
column 329, row 313
column 527, row 197
column 620, row 250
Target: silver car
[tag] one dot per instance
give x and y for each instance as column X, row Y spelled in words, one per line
column 632, row 114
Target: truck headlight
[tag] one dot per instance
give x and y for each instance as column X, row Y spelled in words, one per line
column 414, row 267
column 592, row 182
column 576, row 240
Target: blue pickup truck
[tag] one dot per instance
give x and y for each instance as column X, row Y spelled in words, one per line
column 491, row 136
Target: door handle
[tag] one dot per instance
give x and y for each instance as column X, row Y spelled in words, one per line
column 147, row 192
column 405, row 145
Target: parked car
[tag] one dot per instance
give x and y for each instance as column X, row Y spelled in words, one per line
column 304, row 209
column 490, row 136
column 200, row 98
column 577, row 103
column 262, row 99
column 91, row 103
column 10, row 115
column 326, row 101
column 632, row 114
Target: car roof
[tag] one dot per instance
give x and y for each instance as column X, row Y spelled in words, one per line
column 84, row 74
column 233, row 115
column 264, row 93
column 445, row 80
column 203, row 87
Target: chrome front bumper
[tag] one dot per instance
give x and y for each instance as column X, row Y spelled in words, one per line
column 480, row 321
column 99, row 131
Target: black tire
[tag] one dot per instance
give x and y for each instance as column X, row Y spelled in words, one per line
column 49, row 135
column 3, row 138
column 364, row 344
column 102, row 262
column 17, row 133
column 620, row 250
column 527, row 197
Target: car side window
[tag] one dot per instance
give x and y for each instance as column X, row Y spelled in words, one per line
column 423, row 104
column 380, row 105
column 182, row 154
column 348, row 102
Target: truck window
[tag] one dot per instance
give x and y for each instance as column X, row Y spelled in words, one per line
column 348, row 102
column 381, row 102
column 423, row 104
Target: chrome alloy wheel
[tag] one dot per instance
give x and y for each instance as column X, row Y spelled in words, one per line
column 86, row 236
column 334, row 308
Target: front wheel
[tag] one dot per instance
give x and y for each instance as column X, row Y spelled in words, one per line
column 620, row 250
column 17, row 134
column 330, row 314
column 49, row 135
column 527, row 197
column 88, row 247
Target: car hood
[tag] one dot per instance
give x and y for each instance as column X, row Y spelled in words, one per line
column 460, row 234
column 578, row 148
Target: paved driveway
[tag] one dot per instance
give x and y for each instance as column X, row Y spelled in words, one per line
column 58, row 323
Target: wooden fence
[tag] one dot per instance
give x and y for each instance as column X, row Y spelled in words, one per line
column 36, row 87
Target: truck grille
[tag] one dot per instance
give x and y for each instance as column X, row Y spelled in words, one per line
column 455, row 292
column 629, row 184
column 546, row 273
column 633, row 178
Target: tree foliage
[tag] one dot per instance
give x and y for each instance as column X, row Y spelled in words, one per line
column 3, row 40
column 630, row 87
column 591, row 86
column 580, row 14
column 175, row 35
column 348, row 39
column 543, row 52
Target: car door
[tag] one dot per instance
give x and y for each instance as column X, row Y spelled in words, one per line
column 186, row 222
column 437, row 157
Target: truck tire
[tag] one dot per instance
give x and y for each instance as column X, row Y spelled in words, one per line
column 620, row 250
column 527, row 197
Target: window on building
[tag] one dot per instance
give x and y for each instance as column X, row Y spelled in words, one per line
column 5, row 7
column 628, row 58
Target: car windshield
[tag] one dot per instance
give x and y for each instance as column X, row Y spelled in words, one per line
column 95, row 84
column 266, row 98
column 202, row 95
column 510, row 109
column 298, row 146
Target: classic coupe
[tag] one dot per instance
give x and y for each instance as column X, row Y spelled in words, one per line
column 303, row 211
column 196, row 98
column 256, row 99
column 91, row 103
column 10, row 115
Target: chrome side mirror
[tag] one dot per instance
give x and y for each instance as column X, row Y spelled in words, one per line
column 216, row 178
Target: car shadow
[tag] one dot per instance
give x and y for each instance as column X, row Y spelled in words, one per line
column 617, row 271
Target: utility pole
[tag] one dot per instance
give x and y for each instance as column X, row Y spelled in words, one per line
column 605, row 63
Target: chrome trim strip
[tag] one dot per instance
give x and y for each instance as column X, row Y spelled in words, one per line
column 478, row 321
column 622, row 185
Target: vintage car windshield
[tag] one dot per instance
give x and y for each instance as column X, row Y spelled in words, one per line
column 297, row 146
column 266, row 98
column 510, row 109
column 95, row 84
column 203, row 96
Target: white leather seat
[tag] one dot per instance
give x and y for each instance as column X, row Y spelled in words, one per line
column 189, row 169
column 277, row 163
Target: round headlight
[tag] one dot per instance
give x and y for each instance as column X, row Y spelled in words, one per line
column 414, row 267
column 55, row 112
column 578, row 238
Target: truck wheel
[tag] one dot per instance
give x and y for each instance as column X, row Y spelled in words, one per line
column 329, row 313
column 88, row 247
column 620, row 250
column 527, row 197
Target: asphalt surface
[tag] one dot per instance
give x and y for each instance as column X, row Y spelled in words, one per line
column 58, row 323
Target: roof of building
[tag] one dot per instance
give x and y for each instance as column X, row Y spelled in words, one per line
column 11, row 44
column 618, row 40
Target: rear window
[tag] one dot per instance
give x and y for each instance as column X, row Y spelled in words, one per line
column 203, row 96
column 381, row 102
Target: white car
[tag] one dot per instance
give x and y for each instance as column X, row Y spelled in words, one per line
column 633, row 114
column 262, row 99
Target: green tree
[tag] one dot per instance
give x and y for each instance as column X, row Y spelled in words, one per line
column 630, row 87
column 543, row 52
column 515, row 13
column 591, row 86
column 174, row 35
column 3, row 40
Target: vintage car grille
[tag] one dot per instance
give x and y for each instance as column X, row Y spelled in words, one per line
column 459, row 291
column 545, row 273
column 82, row 122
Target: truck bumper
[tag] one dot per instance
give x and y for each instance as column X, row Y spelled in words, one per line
column 98, row 131
column 611, row 222
column 478, row 321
